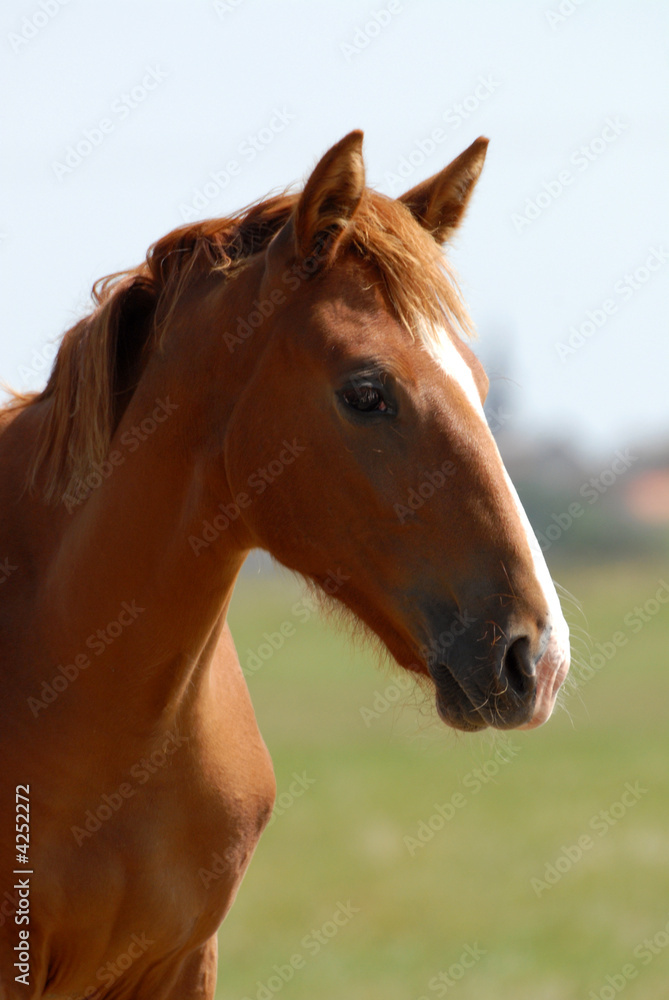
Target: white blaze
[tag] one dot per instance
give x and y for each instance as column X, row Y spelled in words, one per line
column 554, row 664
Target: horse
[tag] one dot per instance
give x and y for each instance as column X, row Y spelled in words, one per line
column 296, row 378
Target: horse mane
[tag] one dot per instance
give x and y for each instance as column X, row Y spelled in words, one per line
column 101, row 357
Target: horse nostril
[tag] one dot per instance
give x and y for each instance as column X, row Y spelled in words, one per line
column 517, row 669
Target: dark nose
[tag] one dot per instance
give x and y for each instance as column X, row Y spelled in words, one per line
column 498, row 689
column 517, row 675
column 511, row 690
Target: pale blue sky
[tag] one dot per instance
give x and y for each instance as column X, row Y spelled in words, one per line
column 268, row 86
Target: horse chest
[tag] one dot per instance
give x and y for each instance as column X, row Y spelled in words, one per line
column 162, row 871
column 157, row 851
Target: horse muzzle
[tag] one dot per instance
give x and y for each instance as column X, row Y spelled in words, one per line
column 506, row 683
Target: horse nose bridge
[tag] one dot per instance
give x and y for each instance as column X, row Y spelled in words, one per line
column 507, row 598
column 504, row 552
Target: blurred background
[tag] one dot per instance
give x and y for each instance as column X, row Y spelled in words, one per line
column 405, row 861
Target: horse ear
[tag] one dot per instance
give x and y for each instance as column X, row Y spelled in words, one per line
column 439, row 202
column 331, row 195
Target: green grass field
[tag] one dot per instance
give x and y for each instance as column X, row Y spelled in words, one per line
column 346, row 838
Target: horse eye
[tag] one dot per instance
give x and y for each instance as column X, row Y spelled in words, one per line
column 365, row 398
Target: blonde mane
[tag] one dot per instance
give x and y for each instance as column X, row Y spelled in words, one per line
column 93, row 370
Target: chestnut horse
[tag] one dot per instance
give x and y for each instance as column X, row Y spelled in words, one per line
column 295, row 379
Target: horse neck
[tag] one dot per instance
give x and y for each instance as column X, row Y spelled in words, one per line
column 125, row 545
